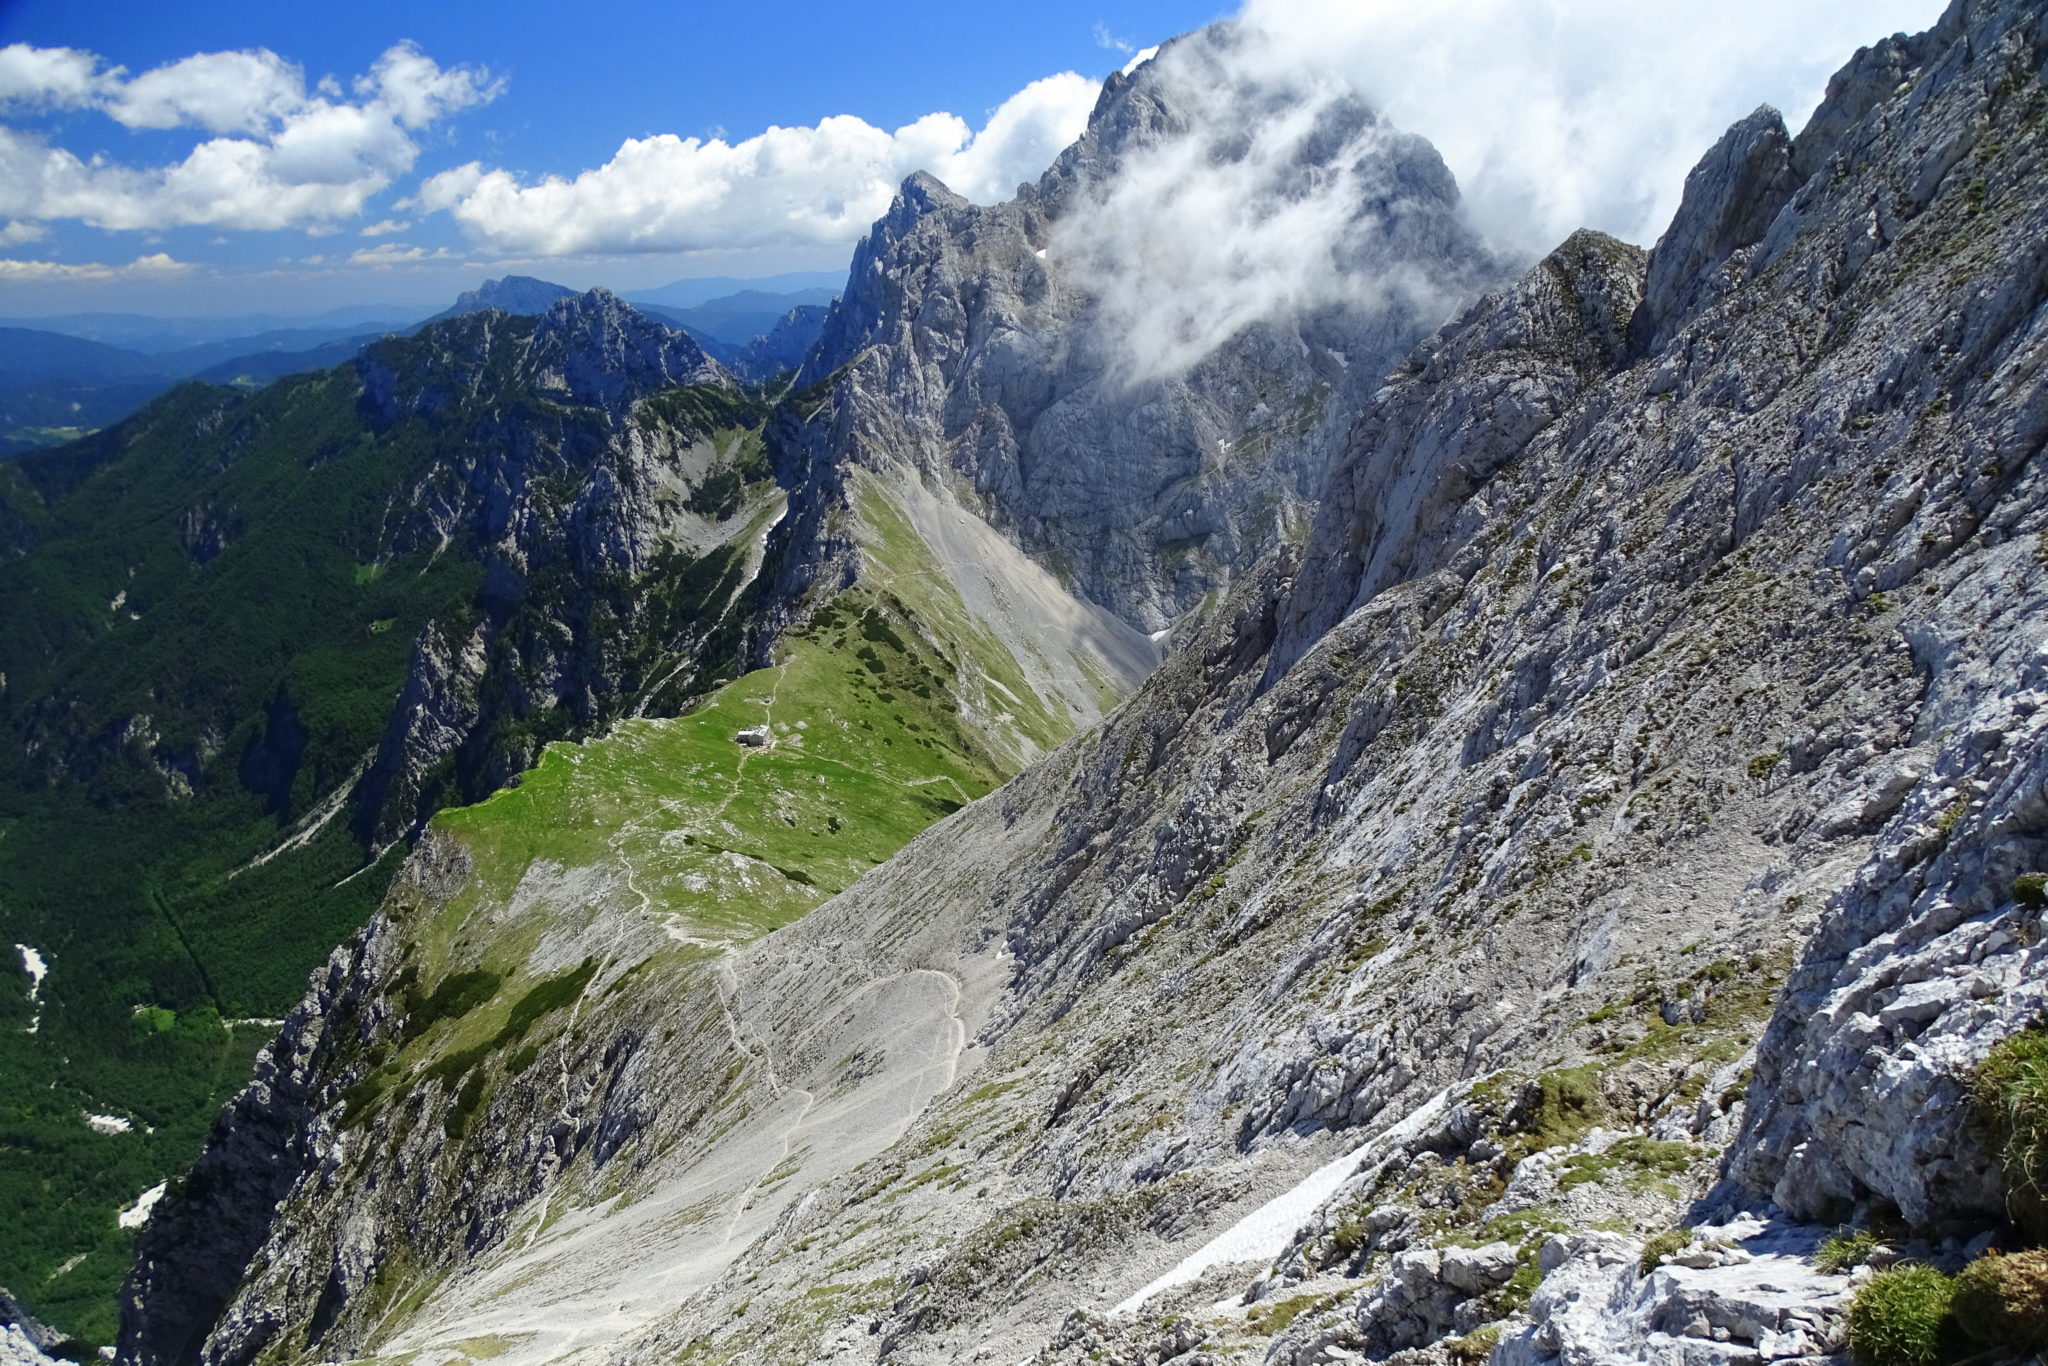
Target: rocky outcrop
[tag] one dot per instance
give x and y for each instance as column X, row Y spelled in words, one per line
column 1743, row 1292
column 597, row 350
column 24, row 1341
column 570, row 511
column 226, row 1203
column 782, row 347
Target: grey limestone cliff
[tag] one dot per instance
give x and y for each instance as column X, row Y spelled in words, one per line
column 975, row 346
column 573, row 510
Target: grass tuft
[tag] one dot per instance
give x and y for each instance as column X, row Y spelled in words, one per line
column 1901, row 1317
column 1665, row 1244
column 1476, row 1346
column 2009, row 1092
column 1845, row 1252
column 1560, row 1107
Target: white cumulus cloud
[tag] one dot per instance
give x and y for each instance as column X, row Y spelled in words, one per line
column 157, row 265
column 1561, row 114
column 281, row 156
column 822, row 185
column 408, row 83
column 398, row 254
column 48, row 77
column 222, row 92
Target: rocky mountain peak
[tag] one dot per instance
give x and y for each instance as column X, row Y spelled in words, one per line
column 1730, row 199
column 596, row 348
column 1136, row 367
column 520, row 295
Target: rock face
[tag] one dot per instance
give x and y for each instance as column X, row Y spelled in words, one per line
column 519, row 295
column 784, row 346
column 986, row 349
column 23, row 1341
column 1605, row 820
column 1754, row 1297
column 229, row 1197
column 569, row 518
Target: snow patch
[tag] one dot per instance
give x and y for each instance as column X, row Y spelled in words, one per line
column 1258, row 1237
column 137, row 1214
column 37, row 968
column 108, row 1124
column 1266, row 1232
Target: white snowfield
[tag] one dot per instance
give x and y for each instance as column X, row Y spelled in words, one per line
column 137, row 1214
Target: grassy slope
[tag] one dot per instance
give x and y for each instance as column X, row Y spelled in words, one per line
column 127, row 892
column 890, row 709
column 1002, row 710
column 883, row 723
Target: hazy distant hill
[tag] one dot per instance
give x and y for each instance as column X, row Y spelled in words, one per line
column 159, row 336
column 520, row 295
column 54, row 388
column 737, row 319
column 691, row 293
column 73, row 374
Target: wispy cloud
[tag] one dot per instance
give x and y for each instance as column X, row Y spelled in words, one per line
column 399, row 254
column 157, row 266
column 1263, row 192
column 388, row 226
column 1109, row 41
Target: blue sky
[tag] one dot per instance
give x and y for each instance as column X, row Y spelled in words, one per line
column 567, row 84
column 234, row 157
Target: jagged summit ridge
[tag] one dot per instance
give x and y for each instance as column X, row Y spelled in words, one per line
column 990, row 348
column 596, row 348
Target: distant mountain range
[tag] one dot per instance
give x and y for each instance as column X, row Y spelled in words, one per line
column 71, row 375
column 711, row 288
column 159, row 336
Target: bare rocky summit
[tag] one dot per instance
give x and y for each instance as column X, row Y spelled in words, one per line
column 975, row 345
column 1518, row 921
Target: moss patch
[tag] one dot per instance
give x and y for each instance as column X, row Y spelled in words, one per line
column 2002, row 1302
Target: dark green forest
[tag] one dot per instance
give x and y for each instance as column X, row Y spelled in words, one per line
column 206, row 615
